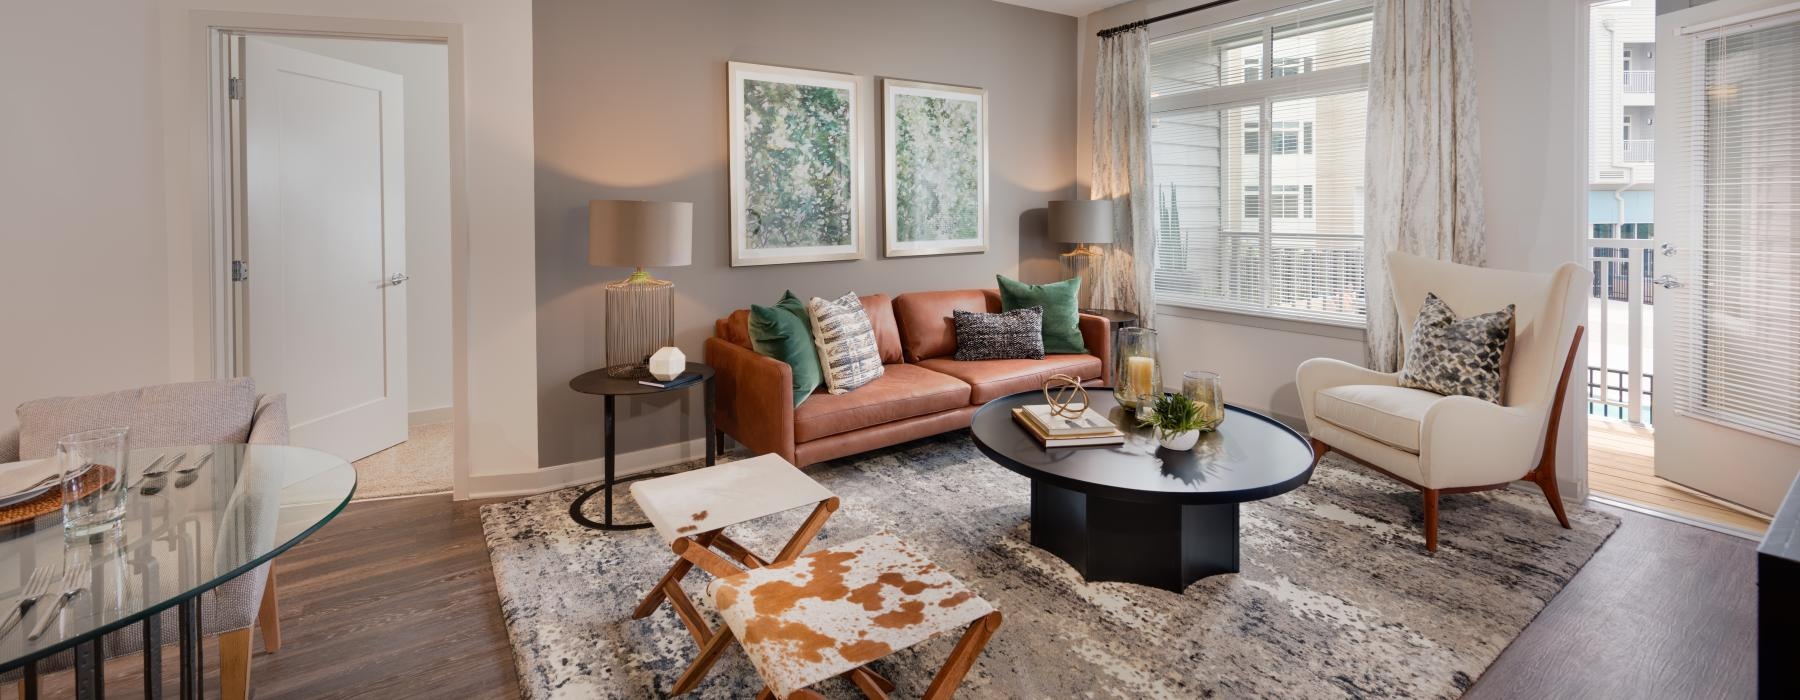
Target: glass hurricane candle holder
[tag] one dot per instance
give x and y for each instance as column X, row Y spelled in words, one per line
column 1207, row 393
column 1137, row 377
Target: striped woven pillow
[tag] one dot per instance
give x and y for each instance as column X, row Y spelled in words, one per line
column 846, row 342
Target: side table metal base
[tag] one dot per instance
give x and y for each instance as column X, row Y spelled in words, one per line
column 607, row 522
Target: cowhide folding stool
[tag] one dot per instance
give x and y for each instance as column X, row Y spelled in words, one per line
column 828, row 613
column 691, row 511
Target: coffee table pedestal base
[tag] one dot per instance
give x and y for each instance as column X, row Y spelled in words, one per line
column 1168, row 546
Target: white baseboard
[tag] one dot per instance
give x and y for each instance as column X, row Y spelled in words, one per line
column 583, row 472
column 425, row 416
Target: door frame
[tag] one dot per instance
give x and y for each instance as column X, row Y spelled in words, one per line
column 221, row 196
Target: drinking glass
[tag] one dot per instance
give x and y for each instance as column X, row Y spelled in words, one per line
column 1206, row 391
column 93, row 479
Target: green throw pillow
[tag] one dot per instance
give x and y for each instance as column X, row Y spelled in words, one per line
column 1062, row 322
column 784, row 332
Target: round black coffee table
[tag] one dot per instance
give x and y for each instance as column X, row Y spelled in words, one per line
column 1139, row 513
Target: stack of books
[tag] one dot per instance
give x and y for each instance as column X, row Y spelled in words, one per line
column 1090, row 428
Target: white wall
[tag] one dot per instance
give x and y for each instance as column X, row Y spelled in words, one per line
column 104, row 213
column 425, row 70
column 1529, row 103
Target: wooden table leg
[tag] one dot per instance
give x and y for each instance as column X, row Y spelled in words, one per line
column 962, row 658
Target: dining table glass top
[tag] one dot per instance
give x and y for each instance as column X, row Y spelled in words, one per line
column 182, row 534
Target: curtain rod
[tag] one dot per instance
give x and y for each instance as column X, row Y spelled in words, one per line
column 1128, row 26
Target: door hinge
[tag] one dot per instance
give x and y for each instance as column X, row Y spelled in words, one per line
column 234, row 88
column 240, row 270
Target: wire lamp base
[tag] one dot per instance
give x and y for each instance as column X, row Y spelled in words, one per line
column 640, row 319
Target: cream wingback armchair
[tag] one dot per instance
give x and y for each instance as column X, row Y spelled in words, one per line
column 1455, row 444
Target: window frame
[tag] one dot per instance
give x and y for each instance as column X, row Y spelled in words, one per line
column 1264, row 93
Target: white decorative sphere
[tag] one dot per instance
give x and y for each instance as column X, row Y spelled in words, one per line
column 667, row 363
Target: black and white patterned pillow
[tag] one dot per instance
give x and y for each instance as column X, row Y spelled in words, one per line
column 1014, row 335
column 1457, row 358
column 846, row 340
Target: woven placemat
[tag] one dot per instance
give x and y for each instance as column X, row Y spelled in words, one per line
column 51, row 501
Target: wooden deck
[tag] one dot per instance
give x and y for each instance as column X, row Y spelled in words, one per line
column 1622, row 466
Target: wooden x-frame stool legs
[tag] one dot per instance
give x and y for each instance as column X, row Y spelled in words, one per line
column 719, row 555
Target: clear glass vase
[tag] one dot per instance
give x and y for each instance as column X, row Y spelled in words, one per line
column 1137, row 375
column 1208, row 393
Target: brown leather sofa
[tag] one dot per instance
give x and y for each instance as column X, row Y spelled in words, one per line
column 923, row 391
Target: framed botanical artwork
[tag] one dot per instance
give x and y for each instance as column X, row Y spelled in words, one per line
column 796, row 165
column 935, row 155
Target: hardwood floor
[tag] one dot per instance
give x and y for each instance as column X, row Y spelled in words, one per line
column 395, row 599
column 1622, row 466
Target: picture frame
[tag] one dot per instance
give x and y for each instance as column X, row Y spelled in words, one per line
column 935, row 168
column 796, row 165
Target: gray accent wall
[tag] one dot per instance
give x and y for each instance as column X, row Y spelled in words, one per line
column 630, row 101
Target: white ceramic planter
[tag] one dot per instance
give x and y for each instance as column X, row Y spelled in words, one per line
column 1179, row 441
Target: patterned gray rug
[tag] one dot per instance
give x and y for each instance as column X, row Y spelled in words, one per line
column 1337, row 596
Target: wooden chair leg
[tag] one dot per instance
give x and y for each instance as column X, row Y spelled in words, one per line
column 673, row 575
column 1319, row 449
column 879, row 680
column 1431, row 519
column 962, row 658
column 709, row 654
column 808, row 530
column 268, row 615
column 766, row 694
column 1546, row 481
column 234, row 664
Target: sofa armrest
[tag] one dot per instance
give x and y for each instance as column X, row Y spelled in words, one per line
column 269, row 424
column 1097, row 335
column 754, row 397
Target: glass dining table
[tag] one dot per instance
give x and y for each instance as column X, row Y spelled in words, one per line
column 182, row 534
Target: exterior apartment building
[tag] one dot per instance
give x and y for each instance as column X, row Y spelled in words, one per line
column 1621, row 202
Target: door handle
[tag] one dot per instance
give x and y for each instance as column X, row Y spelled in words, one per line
column 397, row 279
column 1667, row 282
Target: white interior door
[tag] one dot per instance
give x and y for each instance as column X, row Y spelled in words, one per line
column 1728, row 208
column 324, row 185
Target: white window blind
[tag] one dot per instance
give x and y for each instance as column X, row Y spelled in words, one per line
column 1740, row 359
column 1258, row 173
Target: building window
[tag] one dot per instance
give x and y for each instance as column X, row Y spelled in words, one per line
column 1238, row 228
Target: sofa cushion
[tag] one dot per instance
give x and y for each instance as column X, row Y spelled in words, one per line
column 734, row 328
column 167, row 415
column 1387, row 414
column 1061, row 327
column 784, row 332
column 902, row 391
column 926, row 328
column 992, row 379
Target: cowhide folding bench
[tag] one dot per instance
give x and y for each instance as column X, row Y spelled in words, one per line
column 828, row 613
column 691, row 511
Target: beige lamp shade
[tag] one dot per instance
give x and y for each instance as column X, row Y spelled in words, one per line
column 1081, row 221
column 630, row 233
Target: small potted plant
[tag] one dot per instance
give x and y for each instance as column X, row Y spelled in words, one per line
column 1177, row 420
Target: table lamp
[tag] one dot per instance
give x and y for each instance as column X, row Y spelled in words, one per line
column 1082, row 222
column 640, row 309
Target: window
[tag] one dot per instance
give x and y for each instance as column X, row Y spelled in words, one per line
column 1259, row 186
column 1285, row 138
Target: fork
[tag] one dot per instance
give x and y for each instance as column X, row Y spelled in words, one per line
column 35, row 588
column 74, row 582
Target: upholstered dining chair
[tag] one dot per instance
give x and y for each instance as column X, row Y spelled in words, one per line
column 1457, row 444
column 170, row 415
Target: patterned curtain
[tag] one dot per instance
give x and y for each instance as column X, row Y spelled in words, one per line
column 1424, row 184
column 1122, row 172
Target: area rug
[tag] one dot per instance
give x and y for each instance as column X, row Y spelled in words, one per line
column 1337, row 596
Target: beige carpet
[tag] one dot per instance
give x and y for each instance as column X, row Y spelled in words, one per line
column 420, row 465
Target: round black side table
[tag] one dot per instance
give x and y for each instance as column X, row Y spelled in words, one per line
column 1118, row 319
column 599, row 384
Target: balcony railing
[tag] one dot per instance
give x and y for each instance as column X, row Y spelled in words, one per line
column 1638, row 151
column 1640, row 81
